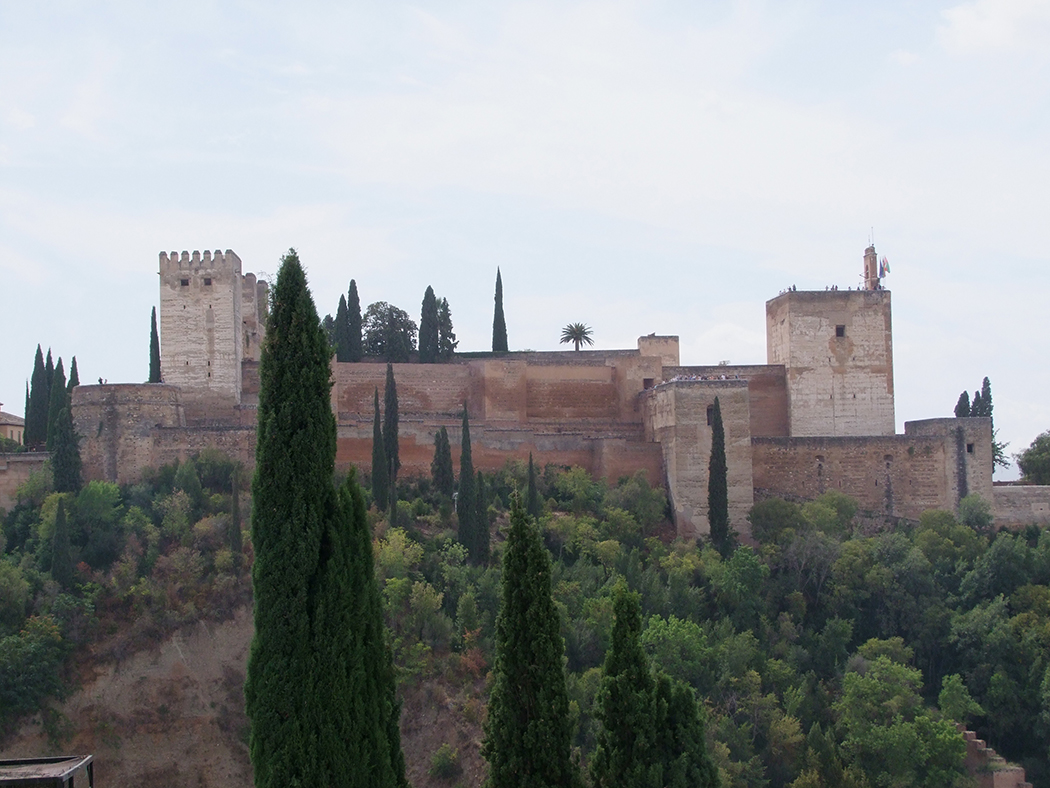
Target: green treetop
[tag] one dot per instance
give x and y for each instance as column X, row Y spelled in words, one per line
column 353, row 322
column 154, row 349
column 962, row 407
column 74, row 377
column 428, row 328
column 528, row 730
column 65, row 456
column 447, row 342
column 499, row 323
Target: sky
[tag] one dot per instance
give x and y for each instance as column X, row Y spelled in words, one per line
column 636, row 166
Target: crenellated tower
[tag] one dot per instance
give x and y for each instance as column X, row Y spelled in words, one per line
column 211, row 319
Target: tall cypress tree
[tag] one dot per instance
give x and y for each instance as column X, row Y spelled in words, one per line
column 481, row 524
column 718, row 485
column 962, row 407
column 532, row 500
column 65, row 457
column 626, row 750
column 441, row 472
column 353, row 321
column 447, row 342
column 682, row 744
column 528, row 731
column 154, row 349
column 499, row 324
column 319, row 687
column 466, row 501
column 976, row 408
column 390, row 427
column 380, row 466
column 35, row 435
column 986, row 398
column 74, row 377
column 49, row 375
column 61, row 557
column 428, row 328
column 59, row 401
column 342, row 331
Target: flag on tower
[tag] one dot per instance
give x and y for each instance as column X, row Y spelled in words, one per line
column 884, row 267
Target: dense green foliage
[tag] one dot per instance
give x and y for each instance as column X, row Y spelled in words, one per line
column 447, row 342
column 154, row 349
column 481, row 538
column 533, row 505
column 962, row 407
column 388, row 332
column 74, row 377
column 391, row 442
column 355, row 346
column 428, row 328
column 718, row 485
column 499, row 322
column 65, row 454
column 341, row 331
column 442, row 474
column 319, row 689
column 528, row 731
column 58, row 401
column 1034, row 461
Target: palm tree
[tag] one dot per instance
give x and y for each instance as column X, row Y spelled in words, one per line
column 578, row 334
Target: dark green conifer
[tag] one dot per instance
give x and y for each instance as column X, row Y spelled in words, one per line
column 962, row 407
column 61, row 557
column 466, row 501
column 447, row 342
column 353, row 318
column 342, row 331
column 626, row 751
column 682, row 743
column 390, row 425
column 154, row 349
column 59, row 401
column 533, row 504
column 380, row 466
column 986, row 398
column 35, row 435
column 718, row 485
column 976, row 408
column 49, row 375
column 528, row 731
column 480, row 554
column 65, row 457
column 499, row 324
column 319, row 692
column 428, row 328
column 441, row 471
column 74, row 377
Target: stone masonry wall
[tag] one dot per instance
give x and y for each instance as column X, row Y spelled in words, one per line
column 837, row 385
column 14, row 471
column 767, row 392
column 1016, row 506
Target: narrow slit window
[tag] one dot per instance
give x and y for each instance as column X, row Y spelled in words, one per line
column 969, row 448
column 207, row 281
column 840, row 331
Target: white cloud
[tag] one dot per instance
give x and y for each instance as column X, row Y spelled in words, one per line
column 994, row 25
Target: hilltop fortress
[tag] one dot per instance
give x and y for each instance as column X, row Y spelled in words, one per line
column 818, row 416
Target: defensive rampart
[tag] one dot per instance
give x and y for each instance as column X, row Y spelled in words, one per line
column 1017, row 505
column 14, row 471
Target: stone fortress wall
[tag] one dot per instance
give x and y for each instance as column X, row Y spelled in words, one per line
column 819, row 416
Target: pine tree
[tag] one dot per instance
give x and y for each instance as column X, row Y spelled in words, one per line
column 533, row 504
column 35, row 435
column 481, row 524
column 528, row 731
column 61, row 558
column 428, row 328
column 499, row 324
column 235, row 539
column 65, row 457
column 718, row 486
column 466, row 501
column 380, row 466
column 74, row 377
column 154, row 349
column 447, row 342
column 353, row 320
column 319, row 691
column 441, row 472
column 342, row 331
column 962, row 407
column 59, row 401
column 626, row 750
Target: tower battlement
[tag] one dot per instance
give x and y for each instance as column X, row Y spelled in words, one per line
column 207, row 259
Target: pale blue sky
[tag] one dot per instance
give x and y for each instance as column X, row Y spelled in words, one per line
column 638, row 166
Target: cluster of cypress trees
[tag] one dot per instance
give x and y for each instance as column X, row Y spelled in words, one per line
column 49, row 418
column 320, row 685
column 982, row 406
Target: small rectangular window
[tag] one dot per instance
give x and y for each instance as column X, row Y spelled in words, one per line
column 185, row 282
column 840, row 331
column 969, row 448
column 647, row 383
column 207, row 281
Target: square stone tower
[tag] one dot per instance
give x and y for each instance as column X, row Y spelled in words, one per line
column 837, row 349
column 201, row 324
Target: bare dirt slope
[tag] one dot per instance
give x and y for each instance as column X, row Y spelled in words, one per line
column 174, row 716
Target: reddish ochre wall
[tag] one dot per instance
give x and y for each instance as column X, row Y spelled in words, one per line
column 14, row 471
